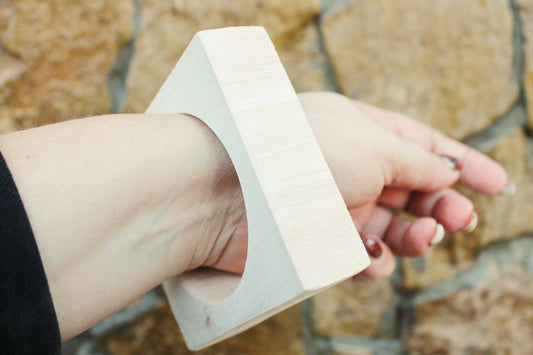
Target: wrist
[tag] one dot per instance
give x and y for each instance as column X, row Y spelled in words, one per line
column 118, row 204
column 208, row 202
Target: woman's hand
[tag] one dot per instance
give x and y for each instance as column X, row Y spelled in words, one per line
column 385, row 162
column 120, row 203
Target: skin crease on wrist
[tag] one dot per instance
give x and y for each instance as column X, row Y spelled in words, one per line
column 120, row 203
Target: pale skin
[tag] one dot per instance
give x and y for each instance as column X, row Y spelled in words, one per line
column 120, row 203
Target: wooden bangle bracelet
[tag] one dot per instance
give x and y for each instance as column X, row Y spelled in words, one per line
column 301, row 238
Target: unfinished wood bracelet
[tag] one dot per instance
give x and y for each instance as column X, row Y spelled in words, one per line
column 301, row 238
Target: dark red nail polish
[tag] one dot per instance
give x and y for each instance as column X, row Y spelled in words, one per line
column 452, row 162
column 373, row 247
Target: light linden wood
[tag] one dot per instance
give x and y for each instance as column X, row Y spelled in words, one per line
column 301, row 237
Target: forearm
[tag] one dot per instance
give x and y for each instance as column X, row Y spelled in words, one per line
column 117, row 205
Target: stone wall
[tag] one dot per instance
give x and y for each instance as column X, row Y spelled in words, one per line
column 465, row 67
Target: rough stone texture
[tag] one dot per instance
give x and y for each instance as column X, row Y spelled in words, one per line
column 55, row 56
column 157, row 333
column 168, row 26
column 500, row 218
column 525, row 8
column 447, row 63
column 490, row 313
column 343, row 349
column 354, row 308
column 366, row 346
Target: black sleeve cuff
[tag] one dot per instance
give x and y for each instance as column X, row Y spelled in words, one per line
column 28, row 323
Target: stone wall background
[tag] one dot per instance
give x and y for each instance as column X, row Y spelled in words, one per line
column 465, row 67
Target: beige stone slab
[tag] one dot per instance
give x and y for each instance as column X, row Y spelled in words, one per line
column 447, row 63
column 353, row 309
column 167, row 26
column 525, row 8
column 55, row 57
column 489, row 309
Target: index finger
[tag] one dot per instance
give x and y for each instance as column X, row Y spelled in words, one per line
column 478, row 171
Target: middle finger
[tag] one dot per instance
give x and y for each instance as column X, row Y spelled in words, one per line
column 449, row 208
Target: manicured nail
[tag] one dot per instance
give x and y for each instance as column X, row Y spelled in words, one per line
column 451, row 162
column 437, row 237
column 373, row 248
column 472, row 224
column 509, row 189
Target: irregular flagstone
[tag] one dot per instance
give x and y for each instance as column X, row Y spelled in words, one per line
column 447, row 63
column 55, row 57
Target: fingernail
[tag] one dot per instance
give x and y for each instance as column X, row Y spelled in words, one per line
column 437, row 237
column 509, row 189
column 451, row 162
column 472, row 224
column 373, row 248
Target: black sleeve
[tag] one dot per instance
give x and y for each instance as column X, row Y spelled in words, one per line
column 28, row 323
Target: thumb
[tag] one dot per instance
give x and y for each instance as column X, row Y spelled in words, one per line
column 410, row 166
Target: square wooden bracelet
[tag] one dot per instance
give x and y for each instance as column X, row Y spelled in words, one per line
column 301, row 238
